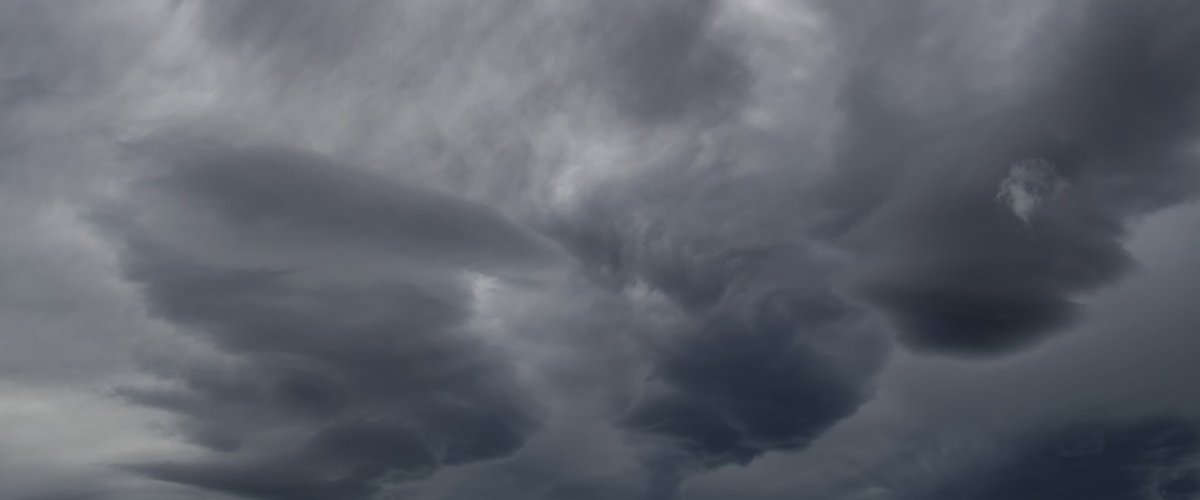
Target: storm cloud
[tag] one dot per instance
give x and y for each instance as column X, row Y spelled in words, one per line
column 1105, row 100
column 338, row 302
column 1146, row 458
column 649, row 250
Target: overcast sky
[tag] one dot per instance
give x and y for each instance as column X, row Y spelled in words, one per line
column 600, row 250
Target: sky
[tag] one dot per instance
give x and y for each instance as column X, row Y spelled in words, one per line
column 599, row 250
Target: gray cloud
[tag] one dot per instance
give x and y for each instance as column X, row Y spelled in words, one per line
column 768, row 356
column 597, row 250
column 943, row 425
column 661, row 61
column 366, row 378
column 1102, row 93
column 293, row 196
column 1149, row 458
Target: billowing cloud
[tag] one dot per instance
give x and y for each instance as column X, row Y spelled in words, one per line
column 922, row 156
column 650, row 250
column 766, row 356
column 337, row 301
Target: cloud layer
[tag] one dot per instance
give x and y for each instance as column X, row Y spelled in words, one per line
column 600, row 250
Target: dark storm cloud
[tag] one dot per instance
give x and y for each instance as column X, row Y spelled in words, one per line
column 1142, row 457
column 768, row 370
column 1103, row 98
column 341, row 374
column 658, row 64
column 726, row 396
column 743, row 186
column 1151, row 458
column 975, row 213
column 767, row 358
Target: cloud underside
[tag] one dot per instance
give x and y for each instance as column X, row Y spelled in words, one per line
column 602, row 250
column 1148, row 458
column 342, row 315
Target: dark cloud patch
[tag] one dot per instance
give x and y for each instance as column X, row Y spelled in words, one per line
column 297, row 196
column 1100, row 94
column 725, row 396
column 1151, row 458
column 744, row 183
column 966, row 322
column 767, row 358
column 979, row 280
column 343, row 373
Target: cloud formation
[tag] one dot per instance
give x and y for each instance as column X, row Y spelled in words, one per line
column 338, row 302
column 919, row 166
column 1150, row 458
column 650, row 250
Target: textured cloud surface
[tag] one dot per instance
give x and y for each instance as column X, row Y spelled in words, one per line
column 336, row 296
column 599, row 250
